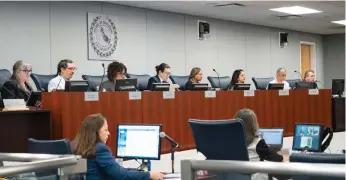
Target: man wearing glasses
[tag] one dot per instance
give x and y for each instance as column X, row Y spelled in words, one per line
column 65, row 71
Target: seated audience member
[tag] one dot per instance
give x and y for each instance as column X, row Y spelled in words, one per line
column 309, row 76
column 238, row 77
column 18, row 86
column 90, row 143
column 65, row 71
column 280, row 78
column 163, row 72
column 196, row 76
column 115, row 71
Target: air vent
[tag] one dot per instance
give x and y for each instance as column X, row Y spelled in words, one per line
column 230, row 4
column 289, row 17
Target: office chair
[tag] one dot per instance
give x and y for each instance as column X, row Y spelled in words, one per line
column 224, row 82
column 181, row 81
column 292, row 82
column 5, row 75
column 221, row 140
column 42, row 81
column 94, row 81
column 142, row 80
column 261, row 83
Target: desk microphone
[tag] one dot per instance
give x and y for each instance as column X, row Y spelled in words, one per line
column 104, row 72
column 3, row 87
column 300, row 74
column 56, row 88
column 169, row 139
column 218, row 77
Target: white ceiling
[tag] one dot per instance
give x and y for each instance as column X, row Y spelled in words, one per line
column 257, row 12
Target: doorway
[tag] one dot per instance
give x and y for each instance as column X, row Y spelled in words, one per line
column 307, row 57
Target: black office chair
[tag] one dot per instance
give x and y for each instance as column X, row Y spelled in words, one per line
column 5, row 75
column 94, row 81
column 224, row 82
column 181, row 81
column 292, row 82
column 42, row 81
column 142, row 80
column 261, row 83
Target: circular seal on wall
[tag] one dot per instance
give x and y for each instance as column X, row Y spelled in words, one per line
column 103, row 36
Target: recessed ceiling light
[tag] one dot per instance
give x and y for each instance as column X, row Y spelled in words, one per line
column 296, row 10
column 342, row 22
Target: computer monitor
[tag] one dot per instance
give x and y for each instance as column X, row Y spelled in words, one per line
column 126, row 84
column 76, row 86
column 241, row 86
column 306, row 85
column 199, row 87
column 34, row 99
column 275, row 86
column 307, row 137
column 273, row 137
column 160, row 87
column 139, row 141
column 338, row 86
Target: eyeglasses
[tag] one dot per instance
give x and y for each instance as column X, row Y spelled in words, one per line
column 72, row 68
column 168, row 73
column 27, row 70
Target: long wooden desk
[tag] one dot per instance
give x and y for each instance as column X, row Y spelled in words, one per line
column 69, row 110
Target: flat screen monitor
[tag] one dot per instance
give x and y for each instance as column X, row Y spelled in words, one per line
column 338, row 86
column 139, row 141
column 306, row 85
column 76, row 86
column 275, row 86
column 240, row 86
column 307, row 137
column 273, row 137
column 126, row 84
column 199, row 87
column 34, row 99
column 160, row 87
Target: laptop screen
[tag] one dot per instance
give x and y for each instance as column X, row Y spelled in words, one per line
column 272, row 136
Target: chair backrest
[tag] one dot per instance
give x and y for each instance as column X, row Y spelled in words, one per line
column 61, row 146
column 224, row 81
column 220, row 139
column 318, row 158
column 5, row 75
column 181, row 81
column 142, row 80
column 93, row 81
column 292, row 82
column 42, row 81
column 261, row 83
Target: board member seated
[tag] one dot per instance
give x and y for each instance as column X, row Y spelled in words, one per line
column 115, row 71
column 18, row 86
column 65, row 71
column 163, row 72
column 309, row 76
column 196, row 76
column 90, row 143
column 238, row 77
column 280, row 78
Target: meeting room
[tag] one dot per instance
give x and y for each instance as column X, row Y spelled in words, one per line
column 154, row 90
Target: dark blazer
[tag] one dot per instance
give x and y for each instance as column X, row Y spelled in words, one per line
column 156, row 79
column 188, row 85
column 104, row 167
column 11, row 90
column 265, row 153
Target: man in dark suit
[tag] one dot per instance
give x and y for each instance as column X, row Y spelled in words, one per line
column 163, row 72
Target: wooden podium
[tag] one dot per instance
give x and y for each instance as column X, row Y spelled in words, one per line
column 69, row 110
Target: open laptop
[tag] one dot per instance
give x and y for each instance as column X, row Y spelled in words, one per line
column 273, row 137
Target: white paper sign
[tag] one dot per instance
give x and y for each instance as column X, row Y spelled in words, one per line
column 14, row 103
column 168, row 94
column 284, row 92
column 135, row 95
column 313, row 92
column 249, row 93
column 210, row 94
column 91, row 96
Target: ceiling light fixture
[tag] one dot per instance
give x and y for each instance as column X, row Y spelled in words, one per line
column 296, row 10
column 342, row 22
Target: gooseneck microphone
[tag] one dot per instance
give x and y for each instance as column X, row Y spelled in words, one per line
column 104, row 72
column 57, row 86
column 169, row 139
column 218, row 77
column 300, row 74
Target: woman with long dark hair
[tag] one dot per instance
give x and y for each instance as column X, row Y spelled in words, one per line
column 238, row 77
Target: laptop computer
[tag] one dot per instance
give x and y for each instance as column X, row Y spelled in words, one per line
column 273, row 137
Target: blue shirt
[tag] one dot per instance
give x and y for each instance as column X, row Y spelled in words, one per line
column 104, row 167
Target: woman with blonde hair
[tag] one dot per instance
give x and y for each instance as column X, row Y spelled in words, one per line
column 196, row 76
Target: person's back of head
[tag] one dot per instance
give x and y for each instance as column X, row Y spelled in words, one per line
column 251, row 125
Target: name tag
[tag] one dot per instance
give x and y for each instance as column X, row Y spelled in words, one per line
column 210, row 94
column 168, row 94
column 284, row 92
column 313, row 91
column 91, row 96
column 14, row 103
column 135, row 95
column 249, row 93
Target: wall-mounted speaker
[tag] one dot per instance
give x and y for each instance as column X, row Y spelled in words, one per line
column 203, row 30
column 283, row 39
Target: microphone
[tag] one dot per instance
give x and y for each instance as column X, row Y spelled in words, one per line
column 3, row 87
column 300, row 74
column 169, row 139
column 56, row 88
column 218, row 77
column 104, row 72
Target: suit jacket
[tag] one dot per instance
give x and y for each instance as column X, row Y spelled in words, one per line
column 156, row 79
column 11, row 90
column 104, row 167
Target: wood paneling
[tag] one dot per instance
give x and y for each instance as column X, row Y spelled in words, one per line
column 305, row 57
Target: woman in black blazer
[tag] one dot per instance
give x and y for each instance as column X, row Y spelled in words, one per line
column 18, row 86
column 196, row 76
column 163, row 72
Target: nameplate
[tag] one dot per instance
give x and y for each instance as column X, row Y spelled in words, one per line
column 249, row 93
column 91, row 96
column 168, row 94
column 313, row 92
column 14, row 104
column 284, row 92
column 135, row 95
column 210, row 94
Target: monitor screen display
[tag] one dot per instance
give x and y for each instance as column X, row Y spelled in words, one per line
column 272, row 136
column 139, row 141
column 307, row 136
